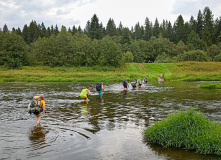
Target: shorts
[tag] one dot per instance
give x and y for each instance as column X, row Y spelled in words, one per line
column 140, row 84
column 125, row 86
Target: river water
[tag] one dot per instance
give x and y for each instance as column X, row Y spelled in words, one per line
column 108, row 127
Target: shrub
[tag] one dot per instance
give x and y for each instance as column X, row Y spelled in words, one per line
column 187, row 130
column 194, row 55
column 217, row 58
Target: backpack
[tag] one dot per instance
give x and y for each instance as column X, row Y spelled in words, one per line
column 98, row 86
column 133, row 84
column 139, row 81
column 83, row 93
column 34, row 106
column 125, row 83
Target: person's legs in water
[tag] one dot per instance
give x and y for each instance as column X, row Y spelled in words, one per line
column 38, row 117
column 100, row 94
column 86, row 100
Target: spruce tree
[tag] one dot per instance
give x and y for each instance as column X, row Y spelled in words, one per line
column 147, row 30
column 156, row 29
column 5, row 28
column 207, row 26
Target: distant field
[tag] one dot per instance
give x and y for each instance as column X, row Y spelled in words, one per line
column 186, row 71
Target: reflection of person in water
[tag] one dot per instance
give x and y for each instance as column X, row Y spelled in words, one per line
column 85, row 109
column 37, row 135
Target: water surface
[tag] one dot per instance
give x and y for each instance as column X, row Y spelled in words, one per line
column 108, row 127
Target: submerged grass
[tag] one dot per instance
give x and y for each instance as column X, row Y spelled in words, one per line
column 211, row 85
column 186, row 71
column 187, row 130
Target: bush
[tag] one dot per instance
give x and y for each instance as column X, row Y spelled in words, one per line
column 187, row 130
column 194, row 55
column 217, row 58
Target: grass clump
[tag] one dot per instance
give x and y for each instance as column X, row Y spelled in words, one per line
column 187, row 130
column 211, row 85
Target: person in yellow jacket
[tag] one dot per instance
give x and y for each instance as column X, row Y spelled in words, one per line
column 42, row 109
column 85, row 93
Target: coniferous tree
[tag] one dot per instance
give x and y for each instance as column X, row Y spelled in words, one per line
column 156, row 28
column 5, row 28
column 138, row 32
column 43, row 30
column 18, row 31
column 207, row 26
column 25, row 33
column 126, row 36
column 199, row 25
column 193, row 24
column 217, row 30
column 170, row 32
column 179, row 29
column 147, row 30
column 48, row 32
column 120, row 29
column 94, row 29
column 33, row 32
column 111, row 29
column 52, row 29
column 56, row 31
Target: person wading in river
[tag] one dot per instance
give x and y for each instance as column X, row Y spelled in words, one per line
column 85, row 93
column 37, row 106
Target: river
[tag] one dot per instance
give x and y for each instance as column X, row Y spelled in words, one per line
column 107, row 128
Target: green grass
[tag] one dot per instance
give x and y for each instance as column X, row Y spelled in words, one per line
column 211, row 85
column 187, row 130
column 186, row 71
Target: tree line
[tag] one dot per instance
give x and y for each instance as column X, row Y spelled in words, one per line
column 196, row 40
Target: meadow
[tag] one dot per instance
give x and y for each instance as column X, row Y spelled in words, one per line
column 185, row 71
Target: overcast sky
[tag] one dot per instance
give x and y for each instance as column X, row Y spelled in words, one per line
column 17, row 13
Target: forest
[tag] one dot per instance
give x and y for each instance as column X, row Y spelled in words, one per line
column 199, row 39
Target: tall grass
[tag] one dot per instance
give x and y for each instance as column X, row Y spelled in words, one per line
column 211, row 85
column 186, row 71
column 187, row 130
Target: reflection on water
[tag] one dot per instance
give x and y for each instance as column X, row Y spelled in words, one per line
column 37, row 136
column 109, row 126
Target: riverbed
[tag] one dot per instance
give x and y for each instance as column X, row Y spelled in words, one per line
column 108, row 127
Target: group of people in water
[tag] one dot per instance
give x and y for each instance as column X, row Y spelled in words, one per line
column 134, row 83
column 37, row 106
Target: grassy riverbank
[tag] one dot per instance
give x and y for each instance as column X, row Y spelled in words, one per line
column 186, row 71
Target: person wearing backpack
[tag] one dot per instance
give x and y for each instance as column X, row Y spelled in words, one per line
column 139, row 83
column 85, row 93
column 37, row 106
column 100, row 88
column 125, row 84
column 134, row 84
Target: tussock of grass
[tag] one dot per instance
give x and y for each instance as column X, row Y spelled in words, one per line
column 211, row 85
column 187, row 130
